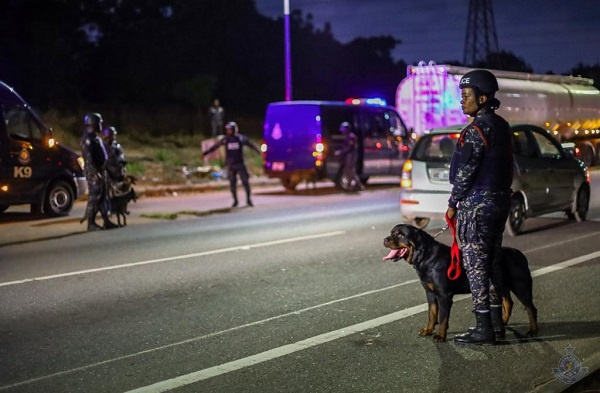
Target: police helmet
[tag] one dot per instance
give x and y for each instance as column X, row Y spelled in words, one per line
column 232, row 125
column 484, row 80
column 109, row 131
column 93, row 119
column 345, row 127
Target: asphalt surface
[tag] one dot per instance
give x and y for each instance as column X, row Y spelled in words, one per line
column 27, row 229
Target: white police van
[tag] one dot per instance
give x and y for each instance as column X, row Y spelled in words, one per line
column 34, row 168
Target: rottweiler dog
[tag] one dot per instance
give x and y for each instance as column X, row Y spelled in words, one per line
column 121, row 194
column 431, row 260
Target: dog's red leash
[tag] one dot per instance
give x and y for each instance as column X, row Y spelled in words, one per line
column 454, row 268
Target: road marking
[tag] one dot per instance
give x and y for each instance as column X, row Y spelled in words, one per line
column 235, row 365
column 274, row 353
column 219, row 333
column 175, row 258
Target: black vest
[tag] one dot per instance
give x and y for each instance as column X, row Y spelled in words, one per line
column 496, row 168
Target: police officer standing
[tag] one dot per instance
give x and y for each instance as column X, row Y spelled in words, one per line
column 115, row 163
column 94, row 155
column 481, row 174
column 348, row 179
column 234, row 159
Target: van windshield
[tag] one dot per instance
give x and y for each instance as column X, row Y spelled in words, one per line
column 19, row 123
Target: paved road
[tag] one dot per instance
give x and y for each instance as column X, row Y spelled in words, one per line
column 289, row 296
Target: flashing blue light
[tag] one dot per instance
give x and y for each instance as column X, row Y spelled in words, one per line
column 376, row 101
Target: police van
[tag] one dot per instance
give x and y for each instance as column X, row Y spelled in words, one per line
column 34, row 168
column 301, row 137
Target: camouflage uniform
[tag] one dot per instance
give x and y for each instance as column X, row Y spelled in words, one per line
column 94, row 154
column 481, row 174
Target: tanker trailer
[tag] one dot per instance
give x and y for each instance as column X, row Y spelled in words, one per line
column 567, row 107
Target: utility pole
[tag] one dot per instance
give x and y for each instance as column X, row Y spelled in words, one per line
column 288, row 51
column 481, row 39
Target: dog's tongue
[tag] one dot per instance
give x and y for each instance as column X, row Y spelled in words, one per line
column 395, row 254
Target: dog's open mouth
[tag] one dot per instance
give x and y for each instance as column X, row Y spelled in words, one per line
column 394, row 255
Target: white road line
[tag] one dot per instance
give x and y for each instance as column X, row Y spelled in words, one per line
column 274, row 353
column 219, row 333
column 175, row 258
column 197, row 376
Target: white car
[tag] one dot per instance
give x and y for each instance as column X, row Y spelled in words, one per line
column 547, row 178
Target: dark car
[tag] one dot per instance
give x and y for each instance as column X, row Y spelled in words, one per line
column 547, row 178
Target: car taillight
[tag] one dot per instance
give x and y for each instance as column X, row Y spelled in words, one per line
column 406, row 180
column 319, row 150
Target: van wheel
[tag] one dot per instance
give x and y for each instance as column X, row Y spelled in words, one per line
column 59, row 199
column 3, row 208
column 516, row 216
column 288, row 183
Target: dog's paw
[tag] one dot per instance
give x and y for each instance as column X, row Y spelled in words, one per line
column 531, row 334
column 439, row 338
column 425, row 332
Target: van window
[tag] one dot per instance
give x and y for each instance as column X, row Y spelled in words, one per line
column 376, row 123
column 20, row 124
column 396, row 126
column 334, row 115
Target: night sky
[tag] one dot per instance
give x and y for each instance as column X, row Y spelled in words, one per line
column 549, row 35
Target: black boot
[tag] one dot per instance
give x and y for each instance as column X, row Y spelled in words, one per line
column 482, row 334
column 496, row 315
column 235, row 203
column 108, row 224
column 249, row 202
column 497, row 324
column 90, row 214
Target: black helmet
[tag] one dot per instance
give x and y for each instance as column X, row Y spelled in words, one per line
column 109, row 131
column 232, row 125
column 93, row 119
column 484, row 80
column 345, row 127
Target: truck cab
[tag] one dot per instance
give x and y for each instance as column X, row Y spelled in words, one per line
column 34, row 168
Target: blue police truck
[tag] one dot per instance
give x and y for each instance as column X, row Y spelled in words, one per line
column 34, row 168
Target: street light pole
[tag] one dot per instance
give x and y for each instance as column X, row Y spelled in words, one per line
column 288, row 51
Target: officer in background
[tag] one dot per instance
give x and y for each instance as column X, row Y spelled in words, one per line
column 94, row 155
column 481, row 174
column 348, row 179
column 115, row 163
column 216, row 114
column 234, row 159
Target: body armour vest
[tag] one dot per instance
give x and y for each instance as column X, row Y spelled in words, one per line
column 495, row 171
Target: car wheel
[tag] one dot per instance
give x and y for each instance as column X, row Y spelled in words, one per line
column 516, row 216
column 582, row 203
column 421, row 222
column 3, row 208
column 59, row 199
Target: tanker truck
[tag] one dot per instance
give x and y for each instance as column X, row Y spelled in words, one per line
column 567, row 107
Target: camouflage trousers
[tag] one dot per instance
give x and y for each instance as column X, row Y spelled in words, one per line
column 480, row 223
column 96, row 197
